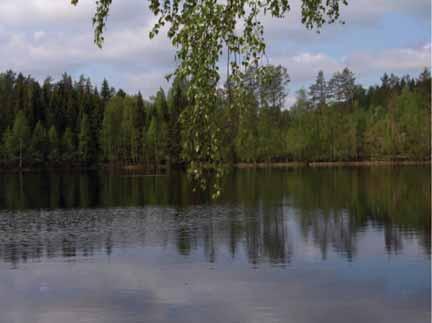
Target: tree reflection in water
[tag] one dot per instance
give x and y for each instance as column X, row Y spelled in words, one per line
column 264, row 215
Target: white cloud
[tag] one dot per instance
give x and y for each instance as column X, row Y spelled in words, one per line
column 365, row 14
column 127, row 51
column 32, row 13
column 21, row 13
column 38, row 35
column 393, row 60
column 148, row 82
column 304, row 66
column 371, row 10
column 49, row 37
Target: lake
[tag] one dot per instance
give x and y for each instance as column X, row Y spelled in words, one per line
column 301, row 245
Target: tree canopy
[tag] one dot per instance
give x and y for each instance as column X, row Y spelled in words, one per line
column 70, row 122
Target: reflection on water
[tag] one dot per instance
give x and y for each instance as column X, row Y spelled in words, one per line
column 299, row 235
column 261, row 212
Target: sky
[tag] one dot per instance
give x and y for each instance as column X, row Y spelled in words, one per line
column 49, row 37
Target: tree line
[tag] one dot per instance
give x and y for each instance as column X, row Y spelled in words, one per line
column 76, row 123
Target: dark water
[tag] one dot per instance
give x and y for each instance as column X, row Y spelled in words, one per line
column 328, row 245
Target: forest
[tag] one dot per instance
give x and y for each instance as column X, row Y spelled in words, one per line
column 76, row 123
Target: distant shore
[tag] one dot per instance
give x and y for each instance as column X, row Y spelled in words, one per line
column 260, row 165
column 364, row 163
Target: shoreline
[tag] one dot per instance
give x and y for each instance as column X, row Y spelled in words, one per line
column 363, row 163
column 142, row 168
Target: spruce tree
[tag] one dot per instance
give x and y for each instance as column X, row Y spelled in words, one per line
column 318, row 91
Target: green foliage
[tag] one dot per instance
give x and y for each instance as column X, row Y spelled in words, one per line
column 269, row 136
column 39, row 142
column 71, row 122
column 341, row 87
column 200, row 31
column 110, row 133
column 345, row 130
column 105, row 91
column 156, row 140
column 84, row 139
column 15, row 140
column 177, row 102
column 130, row 131
column 21, row 130
column 8, row 145
column 53, row 144
column 247, row 135
column 319, row 91
column 68, row 145
column 272, row 86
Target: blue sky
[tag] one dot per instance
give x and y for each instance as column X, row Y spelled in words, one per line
column 49, row 37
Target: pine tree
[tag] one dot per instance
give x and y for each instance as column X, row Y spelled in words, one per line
column 160, row 105
column 273, row 82
column 141, row 112
column 318, row 91
column 105, row 92
column 342, row 86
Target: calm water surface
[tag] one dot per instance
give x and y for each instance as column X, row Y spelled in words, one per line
column 327, row 245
